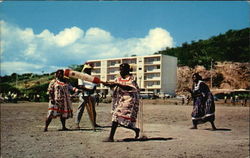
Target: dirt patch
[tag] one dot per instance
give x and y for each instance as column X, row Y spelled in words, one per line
column 165, row 125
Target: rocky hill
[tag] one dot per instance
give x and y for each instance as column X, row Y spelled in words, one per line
column 225, row 75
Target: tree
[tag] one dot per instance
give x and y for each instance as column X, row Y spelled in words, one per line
column 230, row 46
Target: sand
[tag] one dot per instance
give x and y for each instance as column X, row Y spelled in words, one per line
column 166, row 126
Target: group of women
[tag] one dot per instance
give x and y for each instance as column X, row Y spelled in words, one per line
column 125, row 101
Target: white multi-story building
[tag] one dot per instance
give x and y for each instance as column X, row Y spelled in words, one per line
column 154, row 73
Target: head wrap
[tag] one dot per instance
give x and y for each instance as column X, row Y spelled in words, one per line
column 197, row 75
column 126, row 66
column 87, row 65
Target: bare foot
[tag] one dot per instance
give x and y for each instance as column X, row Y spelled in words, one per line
column 193, row 127
column 64, row 129
column 137, row 132
column 214, row 129
column 96, row 125
column 108, row 140
column 77, row 126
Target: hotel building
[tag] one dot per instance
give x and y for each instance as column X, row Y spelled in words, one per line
column 154, row 73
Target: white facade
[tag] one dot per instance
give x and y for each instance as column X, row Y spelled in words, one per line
column 154, row 73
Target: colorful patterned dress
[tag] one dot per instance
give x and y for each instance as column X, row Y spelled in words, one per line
column 125, row 104
column 59, row 92
column 203, row 103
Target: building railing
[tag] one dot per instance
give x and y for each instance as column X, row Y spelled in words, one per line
column 152, row 71
column 114, row 65
column 152, row 78
column 153, row 86
column 152, row 62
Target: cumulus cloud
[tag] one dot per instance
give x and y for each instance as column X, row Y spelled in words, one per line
column 23, row 51
column 98, row 35
column 157, row 38
column 20, row 67
column 68, row 36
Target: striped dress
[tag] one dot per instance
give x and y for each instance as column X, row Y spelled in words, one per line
column 60, row 93
column 125, row 104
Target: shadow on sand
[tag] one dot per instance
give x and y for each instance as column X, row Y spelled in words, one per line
column 219, row 129
column 105, row 127
column 83, row 129
column 99, row 128
column 144, row 139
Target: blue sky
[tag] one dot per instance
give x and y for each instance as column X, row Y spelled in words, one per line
column 44, row 36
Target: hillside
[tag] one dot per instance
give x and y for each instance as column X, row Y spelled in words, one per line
column 231, row 46
column 225, row 75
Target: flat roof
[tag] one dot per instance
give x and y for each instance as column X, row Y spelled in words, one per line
column 132, row 57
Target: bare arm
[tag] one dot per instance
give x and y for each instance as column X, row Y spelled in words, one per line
column 114, row 84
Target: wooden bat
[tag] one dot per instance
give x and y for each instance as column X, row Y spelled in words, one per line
column 80, row 75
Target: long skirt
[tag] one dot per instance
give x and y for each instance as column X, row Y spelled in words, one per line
column 124, row 111
column 64, row 111
column 203, row 109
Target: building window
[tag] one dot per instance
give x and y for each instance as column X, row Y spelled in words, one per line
column 113, row 62
column 111, row 77
column 129, row 61
column 150, row 60
column 96, row 71
column 97, row 64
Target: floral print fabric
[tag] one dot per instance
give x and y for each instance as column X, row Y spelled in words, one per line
column 125, row 103
column 59, row 99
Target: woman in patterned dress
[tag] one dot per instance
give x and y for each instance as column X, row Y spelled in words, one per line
column 203, row 103
column 59, row 100
column 125, row 102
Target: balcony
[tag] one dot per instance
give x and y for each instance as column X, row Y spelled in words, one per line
column 114, row 64
column 152, row 71
column 152, row 63
column 152, row 79
column 153, row 86
column 95, row 73
column 113, row 72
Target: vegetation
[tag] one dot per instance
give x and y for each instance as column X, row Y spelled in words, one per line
column 231, row 46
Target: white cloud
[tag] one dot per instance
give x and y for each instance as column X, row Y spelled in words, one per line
column 30, row 50
column 26, row 35
column 98, row 35
column 24, row 51
column 68, row 36
column 24, row 67
column 47, row 37
column 20, row 67
column 157, row 39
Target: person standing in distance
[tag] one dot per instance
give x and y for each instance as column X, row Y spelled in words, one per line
column 203, row 102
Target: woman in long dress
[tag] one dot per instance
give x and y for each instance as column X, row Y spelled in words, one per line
column 203, row 103
column 125, row 102
column 60, row 104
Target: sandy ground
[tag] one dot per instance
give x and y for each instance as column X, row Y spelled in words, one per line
column 166, row 125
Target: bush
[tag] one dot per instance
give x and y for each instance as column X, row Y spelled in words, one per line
column 5, row 88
